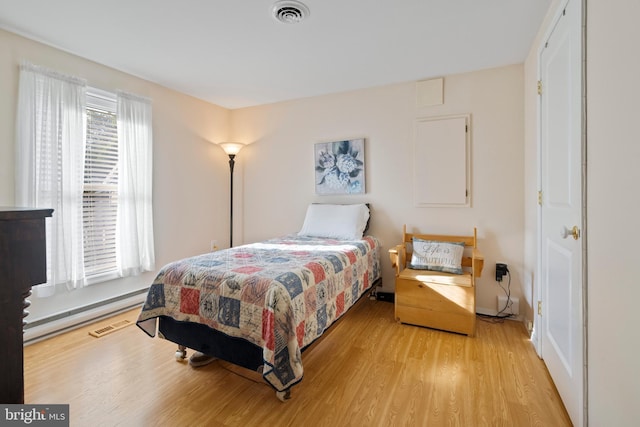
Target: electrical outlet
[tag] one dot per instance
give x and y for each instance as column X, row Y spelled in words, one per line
column 214, row 245
column 508, row 306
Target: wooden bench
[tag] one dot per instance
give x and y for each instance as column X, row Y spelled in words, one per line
column 437, row 299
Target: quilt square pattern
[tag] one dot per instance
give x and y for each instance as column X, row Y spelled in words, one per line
column 189, row 300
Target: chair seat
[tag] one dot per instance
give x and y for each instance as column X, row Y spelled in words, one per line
column 436, row 277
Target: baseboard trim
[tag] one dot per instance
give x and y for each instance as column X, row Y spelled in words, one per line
column 63, row 322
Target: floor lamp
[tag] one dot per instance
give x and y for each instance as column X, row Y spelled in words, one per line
column 231, row 148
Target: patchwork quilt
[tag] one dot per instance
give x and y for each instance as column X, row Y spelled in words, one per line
column 280, row 294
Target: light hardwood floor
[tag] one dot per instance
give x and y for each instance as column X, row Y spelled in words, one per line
column 367, row 371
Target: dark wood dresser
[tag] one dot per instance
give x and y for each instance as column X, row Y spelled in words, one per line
column 22, row 265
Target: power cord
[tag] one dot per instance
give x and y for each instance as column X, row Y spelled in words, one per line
column 499, row 317
column 508, row 294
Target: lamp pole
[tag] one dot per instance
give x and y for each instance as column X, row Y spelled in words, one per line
column 232, row 163
column 231, row 148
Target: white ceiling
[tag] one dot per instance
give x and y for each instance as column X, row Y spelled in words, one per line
column 235, row 54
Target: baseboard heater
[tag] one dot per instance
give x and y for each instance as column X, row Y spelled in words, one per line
column 70, row 319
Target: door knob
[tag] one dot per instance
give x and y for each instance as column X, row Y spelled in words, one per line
column 574, row 232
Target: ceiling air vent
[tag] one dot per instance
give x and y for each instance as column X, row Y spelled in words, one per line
column 290, row 12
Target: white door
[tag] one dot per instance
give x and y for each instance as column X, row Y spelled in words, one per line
column 561, row 240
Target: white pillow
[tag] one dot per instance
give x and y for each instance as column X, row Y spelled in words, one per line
column 346, row 222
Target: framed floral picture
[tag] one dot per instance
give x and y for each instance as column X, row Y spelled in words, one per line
column 340, row 167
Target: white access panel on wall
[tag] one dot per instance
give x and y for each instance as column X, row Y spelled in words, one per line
column 441, row 162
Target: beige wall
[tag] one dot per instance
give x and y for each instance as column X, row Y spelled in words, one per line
column 277, row 177
column 190, row 173
column 613, row 209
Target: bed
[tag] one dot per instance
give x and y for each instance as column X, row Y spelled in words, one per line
column 260, row 305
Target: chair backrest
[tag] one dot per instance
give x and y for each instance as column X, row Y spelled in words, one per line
column 469, row 242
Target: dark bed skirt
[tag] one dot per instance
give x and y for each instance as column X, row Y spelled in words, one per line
column 202, row 338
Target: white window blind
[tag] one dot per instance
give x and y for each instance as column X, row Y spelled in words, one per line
column 100, row 196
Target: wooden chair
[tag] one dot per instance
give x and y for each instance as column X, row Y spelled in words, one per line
column 437, row 299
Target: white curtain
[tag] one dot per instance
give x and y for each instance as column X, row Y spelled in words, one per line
column 50, row 144
column 135, row 159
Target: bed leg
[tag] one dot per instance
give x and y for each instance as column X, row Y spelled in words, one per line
column 181, row 353
column 283, row 396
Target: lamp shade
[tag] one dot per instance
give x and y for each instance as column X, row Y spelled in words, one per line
column 231, row 147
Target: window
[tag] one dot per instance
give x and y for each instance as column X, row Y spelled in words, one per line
column 100, row 189
column 88, row 154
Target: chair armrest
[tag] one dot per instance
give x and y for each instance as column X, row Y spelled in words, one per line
column 477, row 262
column 398, row 255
